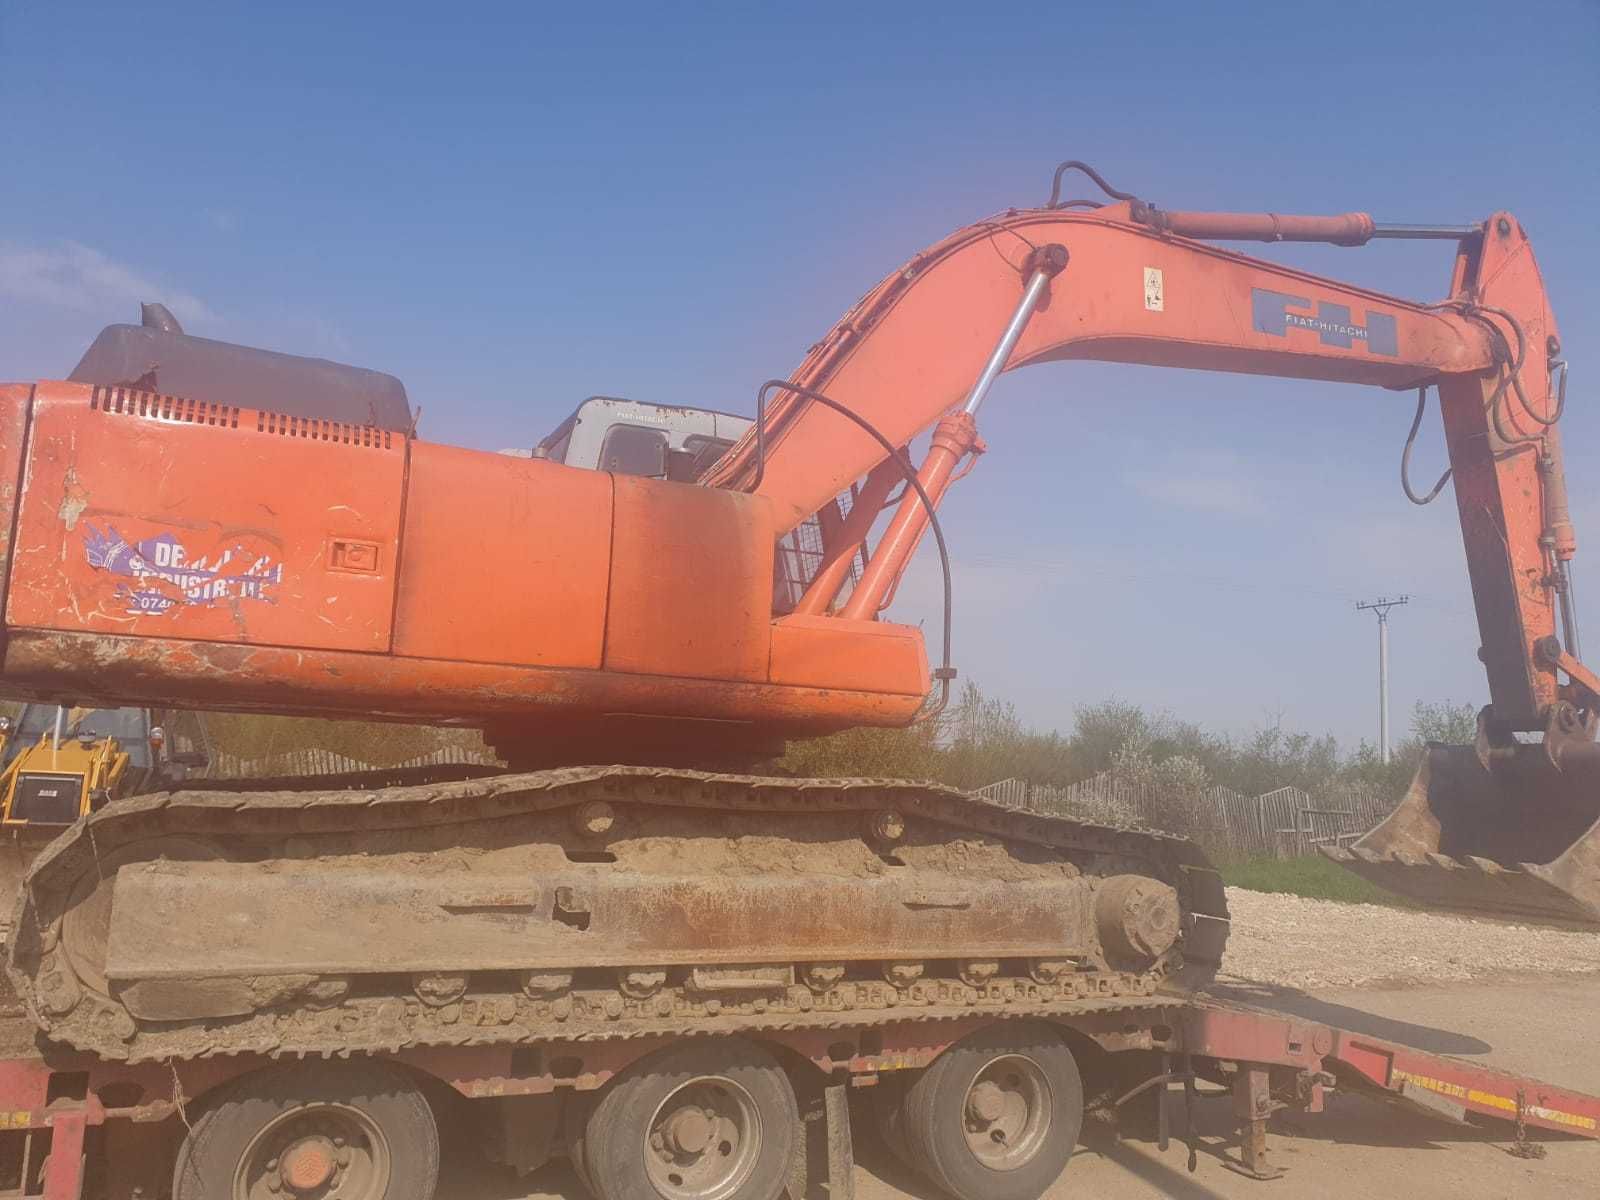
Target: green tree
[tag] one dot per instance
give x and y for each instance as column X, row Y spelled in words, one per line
column 986, row 741
column 912, row 753
column 1444, row 721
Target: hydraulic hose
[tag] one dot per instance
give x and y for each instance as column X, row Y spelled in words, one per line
column 945, row 672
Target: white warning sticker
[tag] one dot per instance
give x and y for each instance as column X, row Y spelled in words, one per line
column 1154, row 298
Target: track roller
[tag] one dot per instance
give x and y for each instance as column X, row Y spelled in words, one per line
column 353, row 1130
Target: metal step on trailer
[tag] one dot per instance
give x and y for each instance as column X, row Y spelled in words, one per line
column 50, row 1099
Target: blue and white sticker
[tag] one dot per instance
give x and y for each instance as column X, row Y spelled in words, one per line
column 164, row 574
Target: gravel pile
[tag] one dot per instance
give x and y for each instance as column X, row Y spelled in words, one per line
column 1288, row 941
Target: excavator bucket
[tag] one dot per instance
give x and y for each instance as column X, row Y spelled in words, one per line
column 1518, row 840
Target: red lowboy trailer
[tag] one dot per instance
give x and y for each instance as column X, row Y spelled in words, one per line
column 51, row 1100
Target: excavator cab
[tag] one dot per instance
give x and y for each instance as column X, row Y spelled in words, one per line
column 630, row 437
column 677, row 443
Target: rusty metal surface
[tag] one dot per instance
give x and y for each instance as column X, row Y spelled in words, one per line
column 110, row 670
column 1520, row 840
column 503, row 816
column 308, row 917
column 1253, row 1105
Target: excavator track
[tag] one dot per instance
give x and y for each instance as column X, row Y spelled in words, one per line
column 590, row 904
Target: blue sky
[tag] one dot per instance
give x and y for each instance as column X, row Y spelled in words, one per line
column 514, row 206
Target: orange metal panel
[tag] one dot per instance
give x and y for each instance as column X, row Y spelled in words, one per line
column 691, row 581
column 1495, row 453
column 155, row 516
column 100, row 668
column 506, row 560
column 14, row 399
column 832, row 652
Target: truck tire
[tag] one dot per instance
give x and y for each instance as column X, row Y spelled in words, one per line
column 704, row 1120
column 362, row 1127
column 997, row 1115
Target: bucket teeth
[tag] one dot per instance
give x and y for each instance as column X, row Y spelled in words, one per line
column 1521, row 841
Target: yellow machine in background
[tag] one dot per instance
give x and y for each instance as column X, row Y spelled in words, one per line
column 60, row 775
column 59, row 763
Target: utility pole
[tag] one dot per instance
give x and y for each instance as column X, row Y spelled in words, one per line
column 1381, row 606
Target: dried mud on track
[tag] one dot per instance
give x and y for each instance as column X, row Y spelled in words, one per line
column 1291, row 942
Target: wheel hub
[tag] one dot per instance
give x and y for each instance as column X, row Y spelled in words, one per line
column 704, row 1141
column 308, row 1164
column 317, row 1152
column 987, row 1102
column 689, row 1130
column 1008, row 1112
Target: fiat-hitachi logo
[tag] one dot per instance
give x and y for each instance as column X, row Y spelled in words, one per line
column 1278, row 312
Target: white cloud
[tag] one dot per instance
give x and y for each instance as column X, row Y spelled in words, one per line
column 81, row 279
column 1202, row 481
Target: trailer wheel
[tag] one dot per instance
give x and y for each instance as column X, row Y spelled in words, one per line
column 699, row 1121
column 351, row 1131
column 997, row 1115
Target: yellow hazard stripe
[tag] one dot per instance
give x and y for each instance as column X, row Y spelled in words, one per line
column 1491, row 1100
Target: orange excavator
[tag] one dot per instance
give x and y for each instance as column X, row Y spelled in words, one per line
column 203, row 525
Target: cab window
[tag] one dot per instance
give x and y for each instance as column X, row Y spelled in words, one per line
column 699, row 452
column 634, row 450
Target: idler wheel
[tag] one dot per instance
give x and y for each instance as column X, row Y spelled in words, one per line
column 1137, row 918
column 86, row 924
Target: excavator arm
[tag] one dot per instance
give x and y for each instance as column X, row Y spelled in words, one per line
column 1508, row 825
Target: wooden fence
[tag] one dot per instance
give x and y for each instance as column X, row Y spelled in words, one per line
column 1283, row 823
column 326, row 762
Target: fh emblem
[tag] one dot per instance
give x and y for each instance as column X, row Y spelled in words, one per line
column 1278, row 312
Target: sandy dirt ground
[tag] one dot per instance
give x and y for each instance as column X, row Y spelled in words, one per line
column 1358, row 1147
column 1290, row 941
